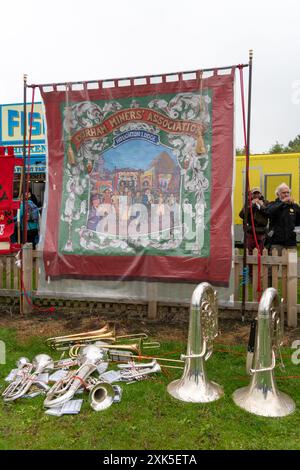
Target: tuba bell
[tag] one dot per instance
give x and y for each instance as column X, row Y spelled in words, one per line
column 103, row 395
column 262, row 397
column 194, row 385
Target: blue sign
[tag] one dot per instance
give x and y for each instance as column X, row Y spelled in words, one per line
column 12, row 130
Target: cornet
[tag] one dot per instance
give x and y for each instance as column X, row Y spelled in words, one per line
column 194, row 386
column 262, row 397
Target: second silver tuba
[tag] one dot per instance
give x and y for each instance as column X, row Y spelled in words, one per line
column 194, row 385
column 262, row 397
column 62, row 391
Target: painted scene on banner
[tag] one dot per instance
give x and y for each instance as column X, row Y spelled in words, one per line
column 136, row 187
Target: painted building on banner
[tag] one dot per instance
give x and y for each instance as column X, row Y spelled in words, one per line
column 11, row 134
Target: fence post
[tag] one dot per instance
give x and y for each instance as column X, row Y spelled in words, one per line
column 237, row 269
column 292, row 288
column 152, row 300
column 26, row 282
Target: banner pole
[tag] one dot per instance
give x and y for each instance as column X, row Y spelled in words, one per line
column 23, row 212
column 24, row 221
column 138, row 77
column 245, row 274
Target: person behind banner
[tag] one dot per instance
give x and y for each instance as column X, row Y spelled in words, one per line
column 260, row 221
column 32, row 197
column 32, row 222
column 284, row 216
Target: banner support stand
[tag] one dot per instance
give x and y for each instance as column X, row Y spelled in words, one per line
column 23, row 220
column 245, row 275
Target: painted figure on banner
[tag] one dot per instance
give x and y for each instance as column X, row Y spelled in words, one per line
column 94, row 216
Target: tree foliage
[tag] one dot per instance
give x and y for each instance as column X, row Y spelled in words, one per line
column 293, row 146
column 240, row 151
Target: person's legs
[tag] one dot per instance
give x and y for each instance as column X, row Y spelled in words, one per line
column 250, row 243
column 32, row 236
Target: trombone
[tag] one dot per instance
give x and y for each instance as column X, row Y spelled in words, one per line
column 134, row 348
column 61, row 343
column 128, row 354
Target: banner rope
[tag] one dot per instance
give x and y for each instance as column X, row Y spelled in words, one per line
column 246, row 275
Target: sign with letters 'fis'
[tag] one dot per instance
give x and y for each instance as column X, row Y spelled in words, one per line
column 140, row 180
column 12, row 129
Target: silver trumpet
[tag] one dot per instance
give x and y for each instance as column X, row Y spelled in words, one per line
column 262, row 397
column 62, row 391
column 194, row 385
column 28, row 376
column 139, row 372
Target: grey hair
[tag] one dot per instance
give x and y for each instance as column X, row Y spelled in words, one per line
column 279, row 188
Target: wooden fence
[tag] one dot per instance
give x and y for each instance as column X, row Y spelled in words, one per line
column 277, row 271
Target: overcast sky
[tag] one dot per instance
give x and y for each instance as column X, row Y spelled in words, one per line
column 70, row 40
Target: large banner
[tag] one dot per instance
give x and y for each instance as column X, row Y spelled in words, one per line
column 140, row 180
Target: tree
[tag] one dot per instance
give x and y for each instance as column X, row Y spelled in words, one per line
column 277, row 148
column 293, row 146
column 240, row 151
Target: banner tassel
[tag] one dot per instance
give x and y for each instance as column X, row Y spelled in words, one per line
column 70, row 154
column 200, row 146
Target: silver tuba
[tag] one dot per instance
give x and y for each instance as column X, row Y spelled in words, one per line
column 262, row 397
column 194, row 385
column 64, row 390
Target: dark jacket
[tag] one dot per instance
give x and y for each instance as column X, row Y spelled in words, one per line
column 259, row 217
column 284, row 217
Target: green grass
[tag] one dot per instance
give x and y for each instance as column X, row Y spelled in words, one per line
column 147, row 417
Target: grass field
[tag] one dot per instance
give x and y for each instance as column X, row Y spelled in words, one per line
column 147, row 417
